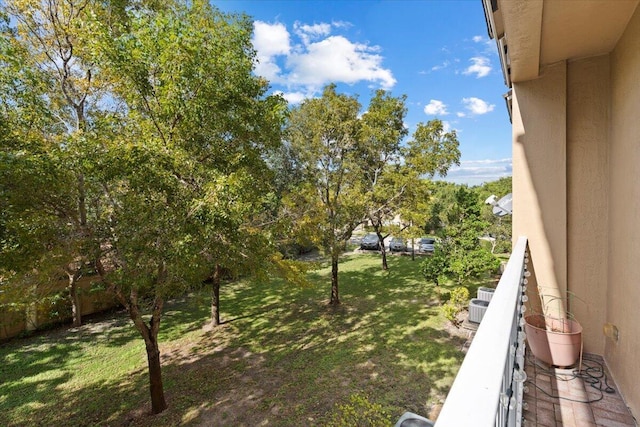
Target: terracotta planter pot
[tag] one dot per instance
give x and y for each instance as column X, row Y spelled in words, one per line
column 554, row 341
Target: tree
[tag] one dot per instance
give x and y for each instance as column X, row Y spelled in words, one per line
column 459, row 254
column 324, row 133
column 187, row 173
column 436, row 268
column 395, row 174
column 382, row 132
column 46, row 186
column 499, row 228
column 147, row 149
column 441, row 195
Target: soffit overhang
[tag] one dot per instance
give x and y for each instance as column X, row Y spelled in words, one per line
column 534, row 33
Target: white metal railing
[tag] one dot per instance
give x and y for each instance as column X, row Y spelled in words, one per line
column 489, row 386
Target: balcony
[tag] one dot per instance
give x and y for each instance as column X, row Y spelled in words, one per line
column 561, row 397
column 499, row 384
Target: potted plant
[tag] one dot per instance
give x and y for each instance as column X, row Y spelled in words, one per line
column 554, row 336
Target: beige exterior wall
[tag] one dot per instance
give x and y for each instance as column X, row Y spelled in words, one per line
column 539, row 174
column 576, row 185
column 587, row 194
column 623, row 293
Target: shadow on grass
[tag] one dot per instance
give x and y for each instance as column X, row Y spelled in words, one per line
column 282, row 356
column 293, row 359
column 35, row 372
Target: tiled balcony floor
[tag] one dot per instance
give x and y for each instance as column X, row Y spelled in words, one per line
column 559, row 397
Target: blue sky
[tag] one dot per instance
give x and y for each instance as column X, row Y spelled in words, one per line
column 437, row 53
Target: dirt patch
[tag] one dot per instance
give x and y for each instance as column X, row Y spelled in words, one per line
column 463, row 330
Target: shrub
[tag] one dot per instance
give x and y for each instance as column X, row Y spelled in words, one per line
column 450, row 312
column 473, row 264
column 434, row 267
column 459, row 297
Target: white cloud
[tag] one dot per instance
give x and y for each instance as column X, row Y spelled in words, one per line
column 294, row 97
column 311, row 32
column 481, row 67
column 317, row 59
column 476, row 172
column 461, row 114
column 342, row 24
column 322, row 29
column 441, row 66
column 477, row 106
column 269, row 40
column 436, row 107
column 336, row 59
column 477, row 39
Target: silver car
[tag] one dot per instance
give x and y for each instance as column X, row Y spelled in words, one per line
column 370, row 241
column 397, row 244
column 426, row 244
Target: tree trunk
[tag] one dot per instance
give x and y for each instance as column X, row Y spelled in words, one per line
column 385, row 266
column 150, row 335
column 158, row 403
column 335, row 297
column 413, row 249
column 215, row 297
column 74, row 295
column 383, row 251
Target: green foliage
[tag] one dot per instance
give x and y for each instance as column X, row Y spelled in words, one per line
column 359, row 411
column 499, row 228
column 450, row 312
column 473, row 264
column 435, row 267
column 441, row 198
column 432, row 151
column 459, row 296
column 136, row 140
column 459, row 254
column 458, row 299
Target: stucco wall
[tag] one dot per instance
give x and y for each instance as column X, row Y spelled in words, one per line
column 623, row 294
column 539, row 173
column 576, row 184
column 587, row 194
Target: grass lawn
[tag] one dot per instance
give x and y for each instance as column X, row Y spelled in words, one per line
column 283, row 357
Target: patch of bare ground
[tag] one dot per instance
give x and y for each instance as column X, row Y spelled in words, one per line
column 227, row 387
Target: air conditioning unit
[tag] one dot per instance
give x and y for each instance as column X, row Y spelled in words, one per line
column 409, row 419
column 485, row 293
column 477, row 308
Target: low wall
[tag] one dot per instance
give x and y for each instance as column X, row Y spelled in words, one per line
column 55, row 307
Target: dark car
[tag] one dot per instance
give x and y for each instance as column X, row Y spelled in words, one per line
column 370, row 241
column 426, row 244
column 397, row 244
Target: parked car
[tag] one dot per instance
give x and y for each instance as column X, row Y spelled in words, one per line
column 370, row 241
column 426, row 244
column 397, row 244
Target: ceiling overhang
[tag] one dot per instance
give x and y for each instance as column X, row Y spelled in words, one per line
column 534, row 33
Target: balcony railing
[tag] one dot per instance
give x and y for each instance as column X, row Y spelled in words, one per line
column 489, row 386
